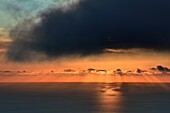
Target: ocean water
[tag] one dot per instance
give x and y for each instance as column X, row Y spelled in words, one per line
column 84, row 98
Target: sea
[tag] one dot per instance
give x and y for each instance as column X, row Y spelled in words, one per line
column 80, row 97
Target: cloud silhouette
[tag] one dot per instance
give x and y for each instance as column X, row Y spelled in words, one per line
column 90, row 26
column 164, row 69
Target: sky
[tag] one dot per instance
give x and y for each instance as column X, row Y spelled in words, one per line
column 84, row 33
column 13, row 11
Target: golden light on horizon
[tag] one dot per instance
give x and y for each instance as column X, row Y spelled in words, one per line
column 107, row 61
column 110, row 60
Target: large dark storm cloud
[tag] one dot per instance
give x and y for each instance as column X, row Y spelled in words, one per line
column 93, row 25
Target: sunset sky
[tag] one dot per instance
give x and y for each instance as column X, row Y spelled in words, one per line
column 43, row 35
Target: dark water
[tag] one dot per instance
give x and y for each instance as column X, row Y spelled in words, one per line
column 84, row 98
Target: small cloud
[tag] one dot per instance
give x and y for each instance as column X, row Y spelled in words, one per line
column 118, row 70
column 91, row 70
column 163, row 69
column 68, row 70
column 101, row 71
column 140, row 70
column 153, row 69
column 133, row 50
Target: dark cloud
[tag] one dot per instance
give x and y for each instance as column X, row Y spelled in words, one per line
column 164, row 69
column 93, row 25
column 139, row 71
column 153, row 69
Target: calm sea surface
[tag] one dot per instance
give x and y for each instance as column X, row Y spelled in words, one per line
column 84, row 98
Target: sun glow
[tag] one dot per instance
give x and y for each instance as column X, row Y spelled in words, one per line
column 114, row 65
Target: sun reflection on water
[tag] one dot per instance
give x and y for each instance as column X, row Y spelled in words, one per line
column 109, row 98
